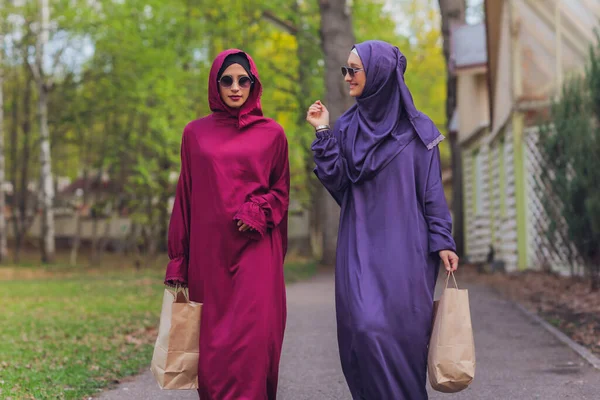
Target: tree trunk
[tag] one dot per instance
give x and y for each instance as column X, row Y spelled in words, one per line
column 47, row 188
column 133, row 247
column 153, row 228
column 304, row 53
column 77, row 239
column 163, row 223
column 95, row 213
column 47, row 195
column 22, row 220
column 106, row 237
column 95, row 198
column 14, row 145
column 78, row 220
column 453, row 13
column 337, row 39
column 296, row 26
column 94, row 239
column 3, row 226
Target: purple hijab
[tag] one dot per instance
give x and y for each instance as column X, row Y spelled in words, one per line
column 384, row 119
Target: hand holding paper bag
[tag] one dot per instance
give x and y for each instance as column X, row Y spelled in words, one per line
column 451, row 361
column 175, row 360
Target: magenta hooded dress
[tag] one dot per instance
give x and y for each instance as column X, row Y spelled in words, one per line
column 234, row 165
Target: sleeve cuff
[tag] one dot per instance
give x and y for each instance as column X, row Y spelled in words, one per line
column 252, row 215
column 437, row 246
column 177, row 269
column 324, row 134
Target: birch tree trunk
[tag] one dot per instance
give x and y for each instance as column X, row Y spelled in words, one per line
column 47, row 188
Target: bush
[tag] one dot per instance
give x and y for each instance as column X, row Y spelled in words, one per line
column 570, row 144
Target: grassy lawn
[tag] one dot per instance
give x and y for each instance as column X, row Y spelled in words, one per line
column 67, row 333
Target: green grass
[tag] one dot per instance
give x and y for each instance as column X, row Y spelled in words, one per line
column 64, row 338
column 67, row 333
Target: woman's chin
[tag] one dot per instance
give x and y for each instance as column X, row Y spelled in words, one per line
column 235, row 106
column 354, row 92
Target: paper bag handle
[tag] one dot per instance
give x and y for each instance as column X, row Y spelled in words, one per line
column 181, row 290
column 453, row 278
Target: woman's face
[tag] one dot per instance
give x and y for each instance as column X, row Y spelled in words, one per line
column 234, row 86
column 355, row 77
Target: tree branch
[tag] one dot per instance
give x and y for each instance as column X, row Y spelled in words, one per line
column 281, row 72
column 287, row 26
column 286, row 109
column 57, row 57
column 35, row 71
column 289, row 91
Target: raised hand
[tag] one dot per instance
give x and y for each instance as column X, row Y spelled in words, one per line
column 317, row 114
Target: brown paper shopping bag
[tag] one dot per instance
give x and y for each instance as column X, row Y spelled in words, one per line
column 175, row 359
column 451, row 361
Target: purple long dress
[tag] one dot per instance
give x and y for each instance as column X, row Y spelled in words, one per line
column 382, row 165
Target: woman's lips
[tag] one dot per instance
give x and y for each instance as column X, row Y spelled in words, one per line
column 235, row 98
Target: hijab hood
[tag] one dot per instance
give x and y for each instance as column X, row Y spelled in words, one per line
column 384, row 119
column 251, row 112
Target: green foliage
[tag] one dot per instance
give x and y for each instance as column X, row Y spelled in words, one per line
column 121, row 109
column 570, row 143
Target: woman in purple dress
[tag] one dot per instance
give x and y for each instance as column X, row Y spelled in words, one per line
column 381, row 163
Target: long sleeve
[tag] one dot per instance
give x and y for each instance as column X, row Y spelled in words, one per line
column 436, row 208
column 331, row 166
column 179, row 225
column 263, row 212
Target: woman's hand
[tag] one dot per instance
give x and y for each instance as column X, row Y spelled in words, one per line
column 450, row 260
column 242, row 227
column 317, row 114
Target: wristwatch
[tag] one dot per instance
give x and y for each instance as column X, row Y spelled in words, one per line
column 321, row 128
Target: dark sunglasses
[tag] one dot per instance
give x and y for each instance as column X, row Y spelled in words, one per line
column 351, row 71
column 243, row 82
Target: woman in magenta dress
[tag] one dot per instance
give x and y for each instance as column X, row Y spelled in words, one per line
column 381, row 163
column 228, row 234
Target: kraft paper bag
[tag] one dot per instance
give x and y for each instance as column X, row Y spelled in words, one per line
column 175, row 359
column 451, row 360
